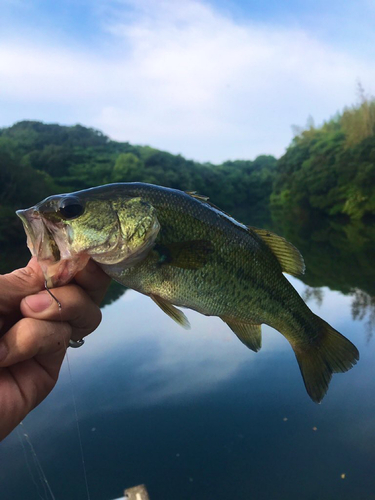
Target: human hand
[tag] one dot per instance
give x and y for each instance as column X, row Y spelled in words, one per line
column 36, row 333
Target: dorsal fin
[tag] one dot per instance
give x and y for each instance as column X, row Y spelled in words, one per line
column 199, row 197
column 288, row 255
column 206, row 200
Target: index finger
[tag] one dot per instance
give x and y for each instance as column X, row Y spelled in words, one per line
column 18, row 284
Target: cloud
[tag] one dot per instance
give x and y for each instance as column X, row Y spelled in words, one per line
column 183, row 77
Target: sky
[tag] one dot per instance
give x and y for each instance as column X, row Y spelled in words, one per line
column 212, row 80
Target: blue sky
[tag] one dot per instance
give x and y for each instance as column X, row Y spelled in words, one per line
column 212, row 80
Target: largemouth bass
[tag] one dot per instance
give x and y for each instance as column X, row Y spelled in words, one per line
column 181, row 250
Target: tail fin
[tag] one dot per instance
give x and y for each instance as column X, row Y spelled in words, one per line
column 330, row 353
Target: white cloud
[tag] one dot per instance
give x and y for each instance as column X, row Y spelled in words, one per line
column 185, row 78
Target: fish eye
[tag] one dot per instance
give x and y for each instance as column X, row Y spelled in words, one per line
column 71, row 207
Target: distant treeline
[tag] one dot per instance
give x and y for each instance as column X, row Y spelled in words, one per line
column 37, row 160
column 330, row 170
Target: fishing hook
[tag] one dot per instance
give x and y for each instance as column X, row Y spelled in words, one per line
column 49, row 291
column 72, row 343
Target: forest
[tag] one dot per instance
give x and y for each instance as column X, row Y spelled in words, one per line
column 330, row 169
column 323, row 186
column 37, row 160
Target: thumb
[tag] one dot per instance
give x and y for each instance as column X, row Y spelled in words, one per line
column 18, row 284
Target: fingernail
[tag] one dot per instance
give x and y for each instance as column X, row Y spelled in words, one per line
column 3, row 351
column 39, row 302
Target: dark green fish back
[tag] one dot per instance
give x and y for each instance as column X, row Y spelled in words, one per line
column 229, row 262
column 205, row 260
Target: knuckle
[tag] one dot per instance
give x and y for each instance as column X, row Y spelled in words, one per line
column 27, row 328
column 24, row 277
column 39, row 334
column 88, row 323
column 97, row 317
column 22, row 339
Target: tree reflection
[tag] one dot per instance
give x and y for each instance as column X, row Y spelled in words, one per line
column 315, row 294
column 363, row 306
column 363, row 309
column 338, row 255
column 114, row 292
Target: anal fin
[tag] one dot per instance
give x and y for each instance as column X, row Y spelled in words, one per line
column 248, row 333
column 172, row 311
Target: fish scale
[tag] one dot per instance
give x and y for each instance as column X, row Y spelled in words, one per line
column 181, row 250
column 202, row 289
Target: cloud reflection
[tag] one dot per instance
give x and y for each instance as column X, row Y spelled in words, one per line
column 144, row 358
column 139, row 358
column 153, row 359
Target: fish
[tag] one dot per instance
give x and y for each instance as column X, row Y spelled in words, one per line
column 181, row 250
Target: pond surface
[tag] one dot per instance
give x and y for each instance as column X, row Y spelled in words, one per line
column 197, row 416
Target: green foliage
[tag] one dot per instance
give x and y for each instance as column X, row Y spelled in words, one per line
column 18, row 184
column 37, row 160
column 127, row 166
column 324, row 175
column 330, row 170
column 323, row 200
column 358, row 122
column 337, row 254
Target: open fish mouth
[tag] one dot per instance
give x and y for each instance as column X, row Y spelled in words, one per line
column 50, row 245
column 40, row 240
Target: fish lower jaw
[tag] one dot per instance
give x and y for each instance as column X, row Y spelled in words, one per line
column 59, row 273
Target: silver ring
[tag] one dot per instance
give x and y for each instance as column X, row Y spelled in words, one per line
column 76, row 343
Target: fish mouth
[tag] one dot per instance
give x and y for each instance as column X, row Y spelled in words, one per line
column 40, row 240
column 49, row 243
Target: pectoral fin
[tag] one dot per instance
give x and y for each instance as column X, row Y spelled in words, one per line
column 186, row 254
column 288, row 255
column 172, row 311
column 249, row 334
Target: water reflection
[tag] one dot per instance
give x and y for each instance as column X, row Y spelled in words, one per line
column 174, row 409
column 362, row 306
column 195, row 414
column 315, row 294
column 338, row 255
column 363, row 309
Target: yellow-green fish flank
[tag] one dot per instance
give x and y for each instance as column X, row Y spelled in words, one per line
column 181, row 250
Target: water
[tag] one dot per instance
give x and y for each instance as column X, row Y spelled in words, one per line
column 196, row 415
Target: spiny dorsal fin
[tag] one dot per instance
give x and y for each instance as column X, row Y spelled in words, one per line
column 249, row 334
column 288, row 255
column 172, row 311
column 206, row 200
column 192, row 254
column 200, row 197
